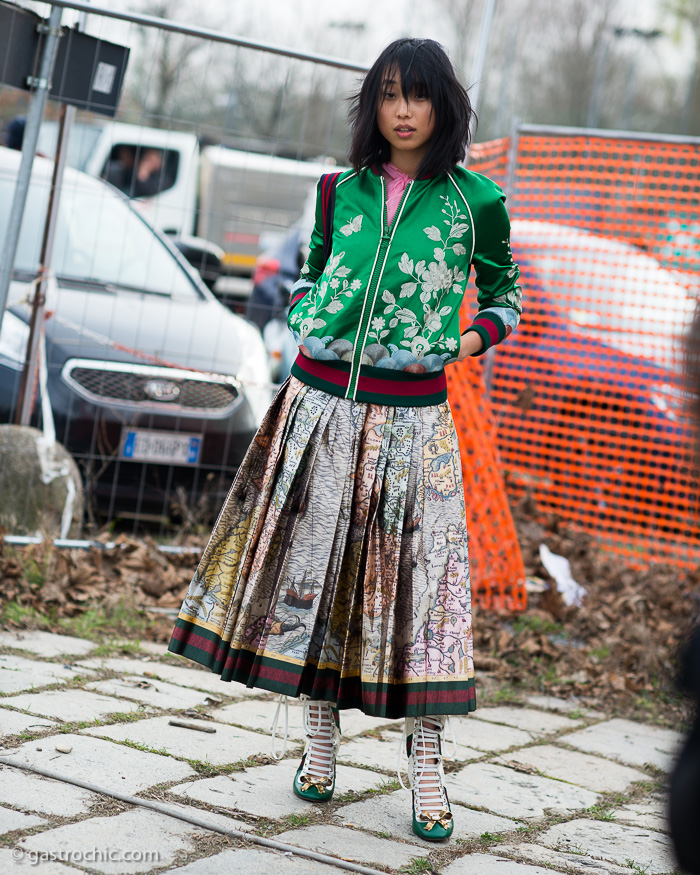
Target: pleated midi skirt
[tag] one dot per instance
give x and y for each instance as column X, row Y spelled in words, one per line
column 338, row 566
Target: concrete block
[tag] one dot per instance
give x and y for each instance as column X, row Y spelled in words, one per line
column 565, row 706
column 514, row 794
column 46, row 643
column 489, row 737
column 125, row 844
column 36, row 793
column 614, row 842
column 266, row 791
column 527, row 719
column 585, row 770
column 10, row 819
column 256, row 861
column 157, row 694
column 14, row 722
column 391, row 813
column 72, row 705
column 104, row 763
column 195, row 678
column 629, row 742
column 488, row 864
column 15, row 861
column 351, row 845
column 259, row 714
column 18, row 673
column 228, row 745
column 537, row 855
column 652, row 814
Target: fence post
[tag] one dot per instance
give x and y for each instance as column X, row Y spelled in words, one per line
column 31, row 136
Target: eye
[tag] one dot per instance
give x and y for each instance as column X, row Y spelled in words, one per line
column 388, row 95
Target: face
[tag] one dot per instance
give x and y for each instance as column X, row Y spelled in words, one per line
column 407, row 125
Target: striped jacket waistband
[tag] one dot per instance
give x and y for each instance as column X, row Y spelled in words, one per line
column 375, row 385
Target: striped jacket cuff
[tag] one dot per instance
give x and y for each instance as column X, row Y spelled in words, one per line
column 490, row 329
column 299, row 291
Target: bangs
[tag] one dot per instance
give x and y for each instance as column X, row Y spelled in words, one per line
column 416, row 72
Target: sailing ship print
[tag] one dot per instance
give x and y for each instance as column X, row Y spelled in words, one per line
column 302, row 594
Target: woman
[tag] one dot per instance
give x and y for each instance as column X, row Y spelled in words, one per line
column 338, row 568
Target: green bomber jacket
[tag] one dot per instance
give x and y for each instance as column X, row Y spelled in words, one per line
column 380, row 320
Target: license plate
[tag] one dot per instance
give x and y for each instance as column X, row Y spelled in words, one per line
column 161, row 446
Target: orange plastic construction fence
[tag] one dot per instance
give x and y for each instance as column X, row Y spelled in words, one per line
column 497, row 569
column 588, row 393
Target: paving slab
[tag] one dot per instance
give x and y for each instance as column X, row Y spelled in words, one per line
column 652, row 814
column 197, row 679
column 72, row 705
column 105, row 763
column 10, row 819
column 354, row 722
column 256, row 862
column 339, row 841
column 19, row 673
column 565, row 706
column 158, row 694
column 228, row 744
column 130, row 842
column 515, row 794
column 16, row 862
column 46, row 643
column 14, row 722
column 391, row 813
column 487, row 864
column 633, row 743
column 224, row 820
column 259, row 714
column 619, row 844
column 527, row 719
column 489, row 737
column 592, row 772
column 538, row 855
column 36, row 793
column 380, row 752
column 266, row 791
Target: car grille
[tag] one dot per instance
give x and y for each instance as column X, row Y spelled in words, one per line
column 118, row 384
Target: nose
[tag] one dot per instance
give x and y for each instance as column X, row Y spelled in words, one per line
column 403, row 109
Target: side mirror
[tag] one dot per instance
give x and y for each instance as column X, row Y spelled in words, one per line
column 203, row 255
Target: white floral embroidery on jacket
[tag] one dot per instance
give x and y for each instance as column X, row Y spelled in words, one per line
column 437, row 280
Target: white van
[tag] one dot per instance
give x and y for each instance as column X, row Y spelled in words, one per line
column 242, row 201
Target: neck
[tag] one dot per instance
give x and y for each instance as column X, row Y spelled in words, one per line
column 407, row 162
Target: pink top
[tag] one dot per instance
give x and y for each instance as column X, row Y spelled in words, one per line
column 396, row 183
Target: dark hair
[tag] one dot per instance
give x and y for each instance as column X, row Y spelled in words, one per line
column 424, row 66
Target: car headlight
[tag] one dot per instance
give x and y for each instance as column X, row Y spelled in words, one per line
column 254, row 374
column 14, row 337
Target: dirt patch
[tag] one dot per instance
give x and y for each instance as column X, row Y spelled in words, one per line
column 618, row 650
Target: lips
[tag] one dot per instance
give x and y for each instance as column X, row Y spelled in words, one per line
column 404, row 129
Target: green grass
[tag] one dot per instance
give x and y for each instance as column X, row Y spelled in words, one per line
column 637, row 867
column 417, row 865
column 530, row 623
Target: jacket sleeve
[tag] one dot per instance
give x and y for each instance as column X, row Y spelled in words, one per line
column 313, row 267
column 499, row 297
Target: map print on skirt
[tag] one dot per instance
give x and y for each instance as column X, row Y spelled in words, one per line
column 338, row 566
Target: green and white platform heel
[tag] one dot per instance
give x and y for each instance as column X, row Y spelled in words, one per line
column 315, row 777
column 432, row 815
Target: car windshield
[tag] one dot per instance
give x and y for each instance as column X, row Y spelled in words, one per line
column 99, row 240
column 620, row 296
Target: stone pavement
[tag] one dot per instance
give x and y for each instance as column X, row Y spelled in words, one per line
column 545, row 787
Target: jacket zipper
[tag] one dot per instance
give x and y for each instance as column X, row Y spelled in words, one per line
column 385, row 241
